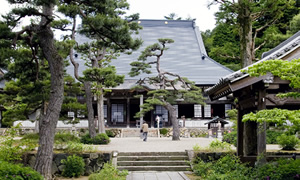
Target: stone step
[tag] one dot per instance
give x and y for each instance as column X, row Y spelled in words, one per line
column 151, row 158
column 152, row 154
column 152, row 163
column 155, row 168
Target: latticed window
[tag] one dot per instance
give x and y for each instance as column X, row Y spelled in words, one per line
column 197, row 110
column 163, row 111
column 117, row 114
column 207, row 110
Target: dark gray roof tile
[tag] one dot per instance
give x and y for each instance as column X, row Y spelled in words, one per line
column 184, row 56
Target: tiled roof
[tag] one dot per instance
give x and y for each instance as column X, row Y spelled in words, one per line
column 186, row 56
column 278, row 52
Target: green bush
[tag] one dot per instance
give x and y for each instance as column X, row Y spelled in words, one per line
column 230, row 138
column 272, row 136
column 86, row 139
column 110, row 133
column 98, row 139
column 9, row 171
column 101, row 139
column 217, row 145
column 10, row 150
column 74, row 166
column 64, row 137
column 288, row 142
column 226, row 168
column 163, row 131
column 109, row 172
column 281, row 169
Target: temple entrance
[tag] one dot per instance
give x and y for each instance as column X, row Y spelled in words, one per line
column 134, row 122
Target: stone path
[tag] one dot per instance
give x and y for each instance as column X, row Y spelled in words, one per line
column 157, row 176
column 153, row 144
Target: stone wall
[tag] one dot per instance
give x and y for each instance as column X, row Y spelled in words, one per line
column 93, row 161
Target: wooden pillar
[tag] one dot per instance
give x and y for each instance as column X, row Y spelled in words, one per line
column 250, row 138
column 109, row 122
column 128, row 112
column 240, row 130
column 261, row 128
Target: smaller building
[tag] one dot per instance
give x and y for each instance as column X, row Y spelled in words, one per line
column 258, row 93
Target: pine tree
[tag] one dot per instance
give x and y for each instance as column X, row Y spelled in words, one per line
column 102, row 23
column 170, row 86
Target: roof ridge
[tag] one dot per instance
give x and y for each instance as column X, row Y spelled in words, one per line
column 288, row 40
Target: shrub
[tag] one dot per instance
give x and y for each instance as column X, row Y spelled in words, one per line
column 219, row 146
column 74, row 166
column 109, row 172
column 86, row 139
column 288, row 142
column 280, row 169
column 64, row 137
column 101, row 139
column 230, row 138
column 163, row 131
column 227, row 167
column 98, row 139
column 73, row 147
column 11, row 171
column 110, row 133
column 272, row 136
column 10, row 150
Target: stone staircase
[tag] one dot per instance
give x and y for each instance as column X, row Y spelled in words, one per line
column 153, row 161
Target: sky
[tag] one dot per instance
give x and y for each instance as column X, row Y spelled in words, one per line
column 157, row 9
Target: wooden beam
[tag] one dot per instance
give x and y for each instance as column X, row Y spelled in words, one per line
column 247, row 81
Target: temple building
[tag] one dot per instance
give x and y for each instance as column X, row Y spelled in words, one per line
column 186, row 56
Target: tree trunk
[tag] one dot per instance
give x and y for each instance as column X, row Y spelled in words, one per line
column 49, row 120
column 90, row 109
column 101, row 123
column 245, row 23
column 175, row 124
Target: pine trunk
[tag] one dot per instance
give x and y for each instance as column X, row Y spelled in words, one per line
column 101, row 123
column 49, row 120
column 175, row 124
column 245, row 23
column 89, row 105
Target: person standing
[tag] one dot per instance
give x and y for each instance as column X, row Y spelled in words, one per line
column 145, row 130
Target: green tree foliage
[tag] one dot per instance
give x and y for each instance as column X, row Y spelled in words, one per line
column 286, row 70
column 109, row 34
column 71, row 104
column 259, row 26
column 169, row 86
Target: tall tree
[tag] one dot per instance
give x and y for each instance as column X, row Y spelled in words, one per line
column 42, row 33
column 253, row 17
column 170, row 86
column 113, row 34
